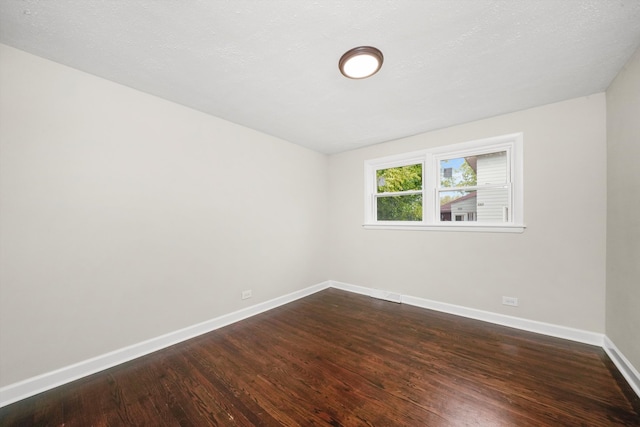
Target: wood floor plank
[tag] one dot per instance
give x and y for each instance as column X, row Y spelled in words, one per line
column 341, row 359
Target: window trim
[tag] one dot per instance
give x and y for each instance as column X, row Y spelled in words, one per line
column 430, row 158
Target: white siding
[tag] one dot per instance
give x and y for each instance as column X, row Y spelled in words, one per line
column 492, row 169
column 464, row 206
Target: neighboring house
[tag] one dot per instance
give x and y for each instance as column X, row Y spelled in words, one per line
column 492, row 202
column 485, row 204
column 461, row 209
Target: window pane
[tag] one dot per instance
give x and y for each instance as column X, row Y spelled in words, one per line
column 402, row 178
column 400, row 208
column 483, row 205
column 474, row 170
column 458, row 206
column 493, row 205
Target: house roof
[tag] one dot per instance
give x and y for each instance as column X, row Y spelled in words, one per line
column 447, row 206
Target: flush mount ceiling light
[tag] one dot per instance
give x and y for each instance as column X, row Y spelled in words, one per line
column 361, row 62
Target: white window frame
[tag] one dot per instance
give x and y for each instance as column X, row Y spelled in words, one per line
column 430, row 158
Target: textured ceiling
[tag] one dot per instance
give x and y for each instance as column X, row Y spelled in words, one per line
column 272, row 65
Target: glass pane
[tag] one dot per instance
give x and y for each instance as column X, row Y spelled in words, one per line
column 474, row 170
column 400, row 208
column 458, row 206
column 402, row 178
column 493, row 205
column 483, row 205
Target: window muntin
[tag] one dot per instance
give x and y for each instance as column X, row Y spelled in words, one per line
column 475, row 185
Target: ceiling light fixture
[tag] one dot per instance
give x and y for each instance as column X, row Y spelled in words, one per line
column 361, row 62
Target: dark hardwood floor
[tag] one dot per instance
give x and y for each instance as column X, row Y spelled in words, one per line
column 341, row 359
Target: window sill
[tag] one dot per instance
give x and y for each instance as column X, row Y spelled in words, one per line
column 465, row 228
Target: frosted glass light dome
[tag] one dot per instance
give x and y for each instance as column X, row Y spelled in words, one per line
column 361, row 62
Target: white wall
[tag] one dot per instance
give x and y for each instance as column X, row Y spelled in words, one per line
column 124, row 216
column 556, row 267
column 623, row 215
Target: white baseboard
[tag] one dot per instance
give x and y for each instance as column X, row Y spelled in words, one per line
column 564, row 332
column 622, row 363
column 625, row 367
column 32, row 386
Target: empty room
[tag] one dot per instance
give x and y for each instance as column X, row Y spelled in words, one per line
column 340, row 213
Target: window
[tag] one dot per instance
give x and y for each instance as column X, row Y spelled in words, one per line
column 399, row 193
column 474, row 186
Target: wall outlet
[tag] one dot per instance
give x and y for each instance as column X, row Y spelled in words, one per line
column 510, row 301
column 246, row 294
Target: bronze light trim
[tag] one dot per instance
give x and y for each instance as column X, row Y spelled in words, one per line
column 361, row 62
